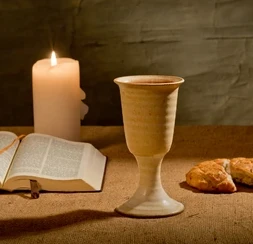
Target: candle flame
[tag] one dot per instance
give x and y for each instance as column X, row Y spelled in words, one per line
column 53, row 59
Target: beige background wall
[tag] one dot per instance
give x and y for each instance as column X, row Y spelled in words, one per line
column 208, row 42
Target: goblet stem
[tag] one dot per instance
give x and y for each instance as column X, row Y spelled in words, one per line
column 149, row 174
column 150, row 199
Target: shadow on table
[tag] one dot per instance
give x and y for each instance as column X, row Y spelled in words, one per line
column 244, row 188
column 185, row 186
column 13, row 228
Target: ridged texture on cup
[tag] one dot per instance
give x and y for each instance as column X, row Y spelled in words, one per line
column 149, row 117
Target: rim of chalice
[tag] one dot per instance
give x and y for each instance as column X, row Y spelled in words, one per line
column 149, row 80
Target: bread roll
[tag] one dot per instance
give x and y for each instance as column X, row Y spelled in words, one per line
column 211, row 176
column 242, row 170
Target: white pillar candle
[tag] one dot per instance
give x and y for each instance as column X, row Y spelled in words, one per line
column 56, row 97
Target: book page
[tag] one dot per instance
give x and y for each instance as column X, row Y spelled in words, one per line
column 6, row 138
column 48, row 157
column 63, row 160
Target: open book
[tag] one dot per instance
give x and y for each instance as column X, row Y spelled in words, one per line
column 56, row 164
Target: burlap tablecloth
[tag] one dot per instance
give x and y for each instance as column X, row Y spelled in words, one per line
column 90, row 217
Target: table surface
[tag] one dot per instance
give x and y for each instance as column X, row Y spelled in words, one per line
column 90, row 217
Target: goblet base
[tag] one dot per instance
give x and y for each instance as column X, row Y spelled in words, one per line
column 158, row 204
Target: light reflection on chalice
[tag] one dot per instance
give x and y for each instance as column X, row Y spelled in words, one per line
column 149, row 105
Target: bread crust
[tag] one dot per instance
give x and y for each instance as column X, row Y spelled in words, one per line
column 242, row 170
column 211, row 176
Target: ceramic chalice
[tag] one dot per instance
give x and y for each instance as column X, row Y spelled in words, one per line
column 149, row 105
